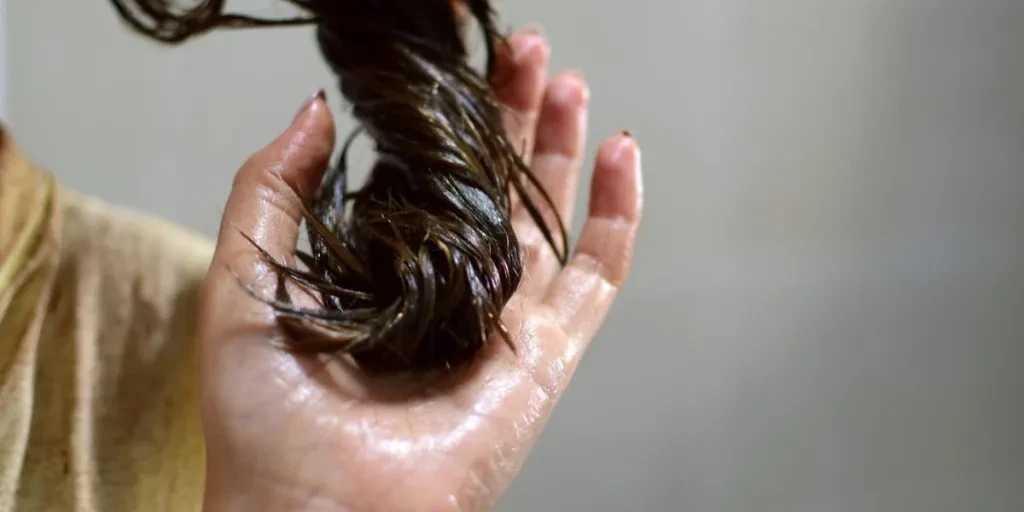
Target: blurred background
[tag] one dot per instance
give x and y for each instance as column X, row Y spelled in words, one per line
column 826, row 311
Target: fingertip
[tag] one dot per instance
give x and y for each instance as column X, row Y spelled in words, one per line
column 268, row 192
column 617, row 188
column 568, row 90
column 521, row 70
column 620, row 152
column 315, row 119
column 634, row 159
column 302, row 153
column 529, row 48
column 563, row 116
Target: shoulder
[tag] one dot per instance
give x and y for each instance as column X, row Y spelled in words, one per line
column 105, row 326
column 132, row 280
column 128, row 243
column 120, row 271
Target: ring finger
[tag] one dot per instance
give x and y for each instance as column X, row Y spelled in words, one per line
column 556, row 162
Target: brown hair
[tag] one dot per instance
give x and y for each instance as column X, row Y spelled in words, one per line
column 414, row 268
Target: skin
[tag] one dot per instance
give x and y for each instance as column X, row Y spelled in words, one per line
column 290, row 433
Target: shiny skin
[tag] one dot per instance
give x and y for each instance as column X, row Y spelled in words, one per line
column 286, row 433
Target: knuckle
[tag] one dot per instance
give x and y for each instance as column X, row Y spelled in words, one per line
column 536, row 250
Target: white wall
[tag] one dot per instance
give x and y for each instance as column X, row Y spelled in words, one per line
column 3, row 60
column 826, row 311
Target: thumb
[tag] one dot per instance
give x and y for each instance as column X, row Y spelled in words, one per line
column 265, row 203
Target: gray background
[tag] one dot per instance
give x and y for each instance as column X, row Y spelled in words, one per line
column 827, row 306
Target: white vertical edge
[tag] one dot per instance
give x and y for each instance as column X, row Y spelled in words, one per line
column 3, row 60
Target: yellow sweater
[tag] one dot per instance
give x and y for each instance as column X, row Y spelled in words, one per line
column 98, row 398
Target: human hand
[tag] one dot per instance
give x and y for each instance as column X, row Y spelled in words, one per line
column 289, row 432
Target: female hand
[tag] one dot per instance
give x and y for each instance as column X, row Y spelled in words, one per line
column 283, row 432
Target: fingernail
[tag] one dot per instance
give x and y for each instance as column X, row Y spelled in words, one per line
column 630, row 140
column 570, row 90
column 584, row 87
column 318, row 94
column 627, row 144
column 527, row 46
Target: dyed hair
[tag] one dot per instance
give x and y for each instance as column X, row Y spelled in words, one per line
column 414, row 268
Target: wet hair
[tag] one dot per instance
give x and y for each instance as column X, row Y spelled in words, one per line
column 414, row 268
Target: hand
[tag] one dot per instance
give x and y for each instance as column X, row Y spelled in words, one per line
column 285, row 432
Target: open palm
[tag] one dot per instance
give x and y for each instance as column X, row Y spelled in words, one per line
column 285, row 432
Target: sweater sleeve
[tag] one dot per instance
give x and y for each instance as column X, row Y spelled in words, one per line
column 98, row 395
